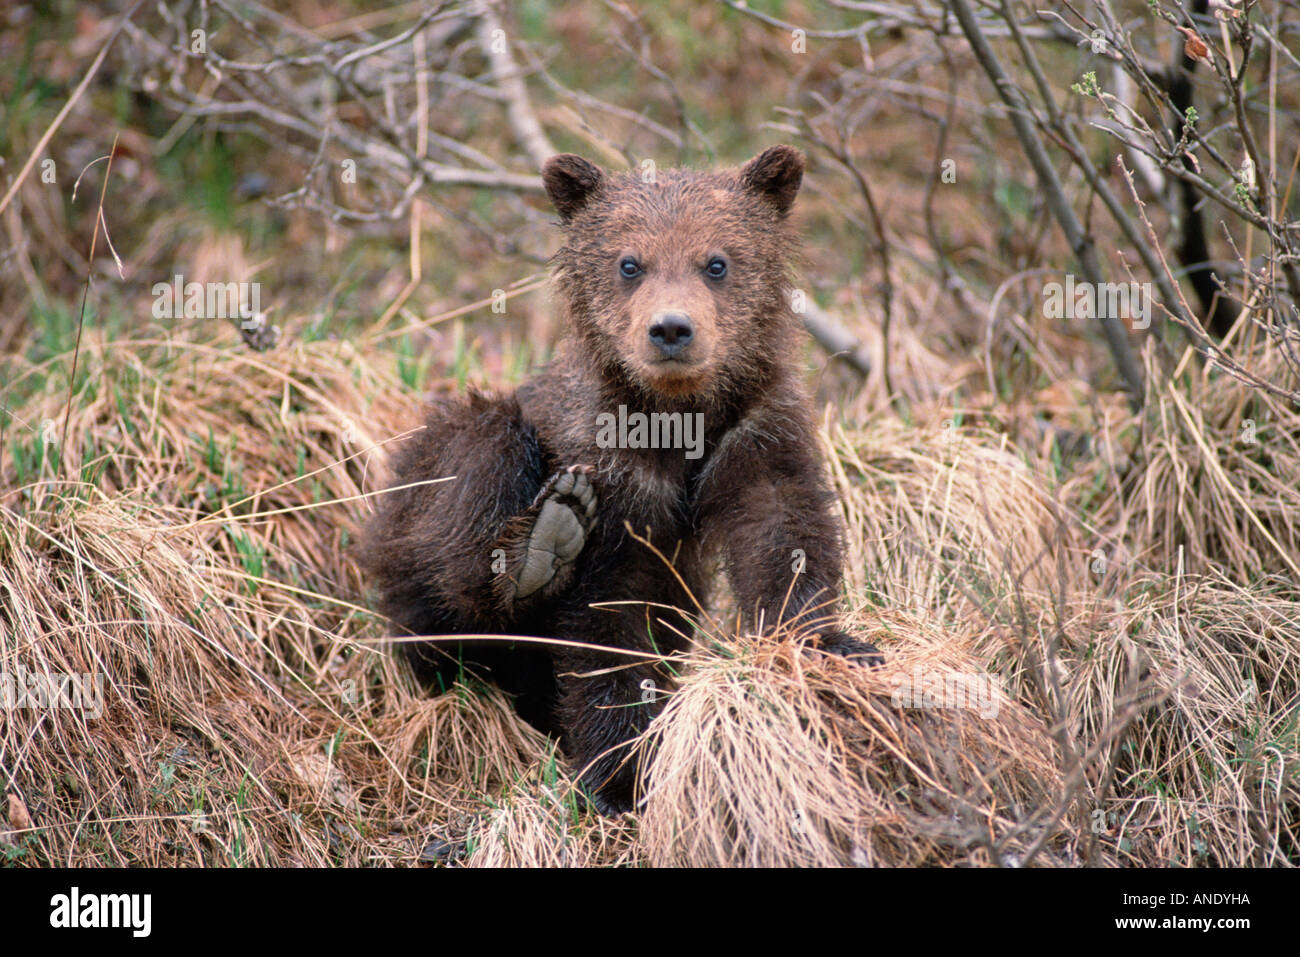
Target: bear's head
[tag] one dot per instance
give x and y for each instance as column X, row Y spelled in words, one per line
column 678, row 280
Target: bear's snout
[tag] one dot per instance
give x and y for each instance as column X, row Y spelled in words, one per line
column 671, row 332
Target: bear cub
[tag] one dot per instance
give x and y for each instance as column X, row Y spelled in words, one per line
column 673, row 416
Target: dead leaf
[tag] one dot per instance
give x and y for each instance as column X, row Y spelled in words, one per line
column 18, row 815
column 321, row 775
column 1194, row 48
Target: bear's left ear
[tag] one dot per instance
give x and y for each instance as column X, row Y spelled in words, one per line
column 570, row 181
column 775, row 174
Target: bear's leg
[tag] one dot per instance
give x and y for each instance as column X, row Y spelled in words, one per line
column 457, row 484
column 774, row 512
column 445, row 556
column 601, row 713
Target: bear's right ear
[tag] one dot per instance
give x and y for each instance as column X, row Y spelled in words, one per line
column 570, row 181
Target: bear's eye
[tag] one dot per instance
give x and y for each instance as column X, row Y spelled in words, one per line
column 717, row 268
column 629, row 268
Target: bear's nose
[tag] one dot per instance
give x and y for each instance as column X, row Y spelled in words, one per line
column 671, row 332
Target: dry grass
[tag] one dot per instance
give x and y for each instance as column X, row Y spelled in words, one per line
column 788, row 757
column 251, row 716
column 195, row 552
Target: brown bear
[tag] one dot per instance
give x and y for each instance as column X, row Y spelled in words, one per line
column 672, row 413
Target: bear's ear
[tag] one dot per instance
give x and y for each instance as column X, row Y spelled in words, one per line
column 570, row 181
column 775, row 174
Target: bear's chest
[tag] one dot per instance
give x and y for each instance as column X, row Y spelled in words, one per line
column 645, row 492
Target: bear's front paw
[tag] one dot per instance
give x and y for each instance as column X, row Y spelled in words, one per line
column 610, row 793
column 612, row 803
column 854, row 649
column 565, row 509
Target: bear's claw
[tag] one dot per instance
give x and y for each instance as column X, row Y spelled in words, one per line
column 566, row 509
column 854, row 649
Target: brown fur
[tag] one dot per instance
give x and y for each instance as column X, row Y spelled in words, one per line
column 756, row 497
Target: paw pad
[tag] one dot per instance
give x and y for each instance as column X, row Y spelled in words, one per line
column 566, row 513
